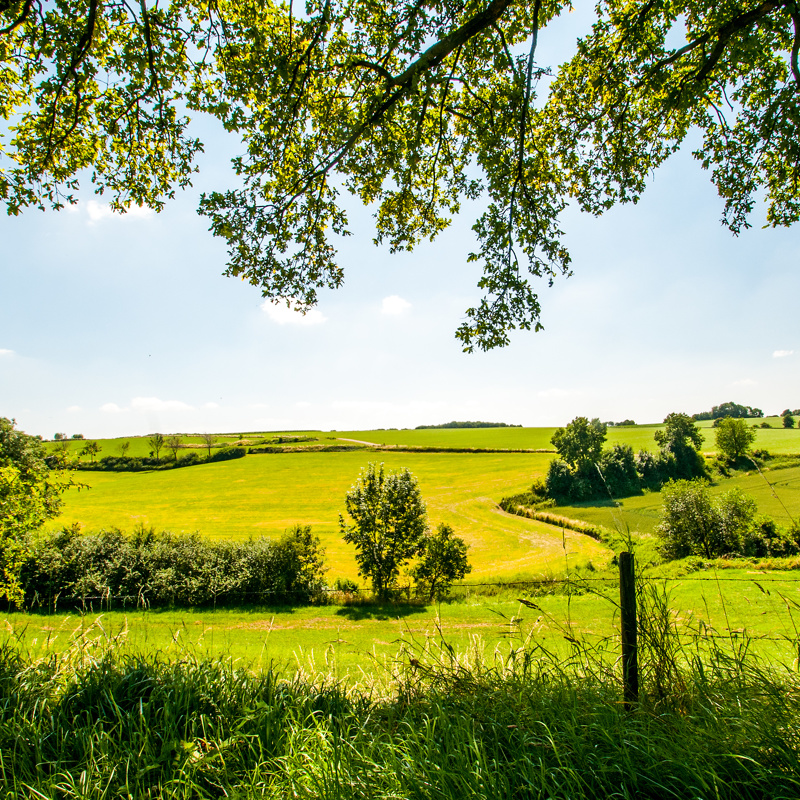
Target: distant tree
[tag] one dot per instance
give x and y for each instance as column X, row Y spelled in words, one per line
column 443, row 561
column 124, row 446
column 156, row 442
column 91, row 449
column 30, row 494
column 734, row 438
column 580, row 444
column 209, row 440
column 389, row 524
column 77, row 436
column 788, row 421
column 680, row 442
column 174, row 444
column 59, row 436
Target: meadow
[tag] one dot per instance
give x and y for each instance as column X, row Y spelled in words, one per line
column 353, row 640
column 266, row 494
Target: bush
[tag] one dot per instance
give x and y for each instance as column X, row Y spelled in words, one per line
column 695, row 524
column 618, row 466
column 227, row 453
column 167, row 568
column 559, row 481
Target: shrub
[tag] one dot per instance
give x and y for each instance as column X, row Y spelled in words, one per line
column 180, row 569
column 618, row 466
column 559, row 480
column 694, row 523
column 227, row 453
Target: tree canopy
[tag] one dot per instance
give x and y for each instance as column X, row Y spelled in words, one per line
column 408, row 105
column 581, row 442
column 29, row 496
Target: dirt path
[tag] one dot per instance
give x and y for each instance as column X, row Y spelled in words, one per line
column 358, row 441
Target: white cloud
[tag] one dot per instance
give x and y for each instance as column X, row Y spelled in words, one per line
column 110, row 408
column 556, row 393
column 156, row 404
column 99, row 211
column 745, row 382
column 292, row 314
column 782, row 353
column 211, row 405
column 302, row 404
column 73, row 409
column 6, row 352
column 394, row 305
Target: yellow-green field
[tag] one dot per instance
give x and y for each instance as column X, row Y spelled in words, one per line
column 265, row 494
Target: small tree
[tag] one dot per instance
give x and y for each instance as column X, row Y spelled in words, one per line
column 389, row 524
column 174, row 444
column 124, row 446
column 580, row 444
column 209, row 440
column 444, row 560
column 156, row 442
column 788, row 421
column 91, row 449
column 734, row 438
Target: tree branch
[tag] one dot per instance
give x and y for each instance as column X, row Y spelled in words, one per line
column 5, row 5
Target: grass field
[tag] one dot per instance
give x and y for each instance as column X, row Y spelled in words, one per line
column 354, row 640
column 265, row 494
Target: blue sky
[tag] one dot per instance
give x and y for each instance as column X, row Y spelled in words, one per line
column 116, row 325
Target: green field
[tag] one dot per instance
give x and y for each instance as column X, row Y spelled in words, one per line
column 265, row 494
column 354, row 640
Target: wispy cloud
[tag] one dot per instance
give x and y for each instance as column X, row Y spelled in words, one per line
column 156, row 404
column 292, row 314
column 110, row 408
column 4, row 352
column 744, row 382
column 394, row 305
column 73, row 409
column 100, row 211
column 782, row 353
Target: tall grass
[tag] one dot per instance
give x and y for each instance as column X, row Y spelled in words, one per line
column 101, row 721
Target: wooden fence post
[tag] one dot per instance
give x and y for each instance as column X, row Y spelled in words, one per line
column 627, row 603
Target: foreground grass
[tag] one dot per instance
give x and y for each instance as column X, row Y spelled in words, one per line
column 97, row 721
